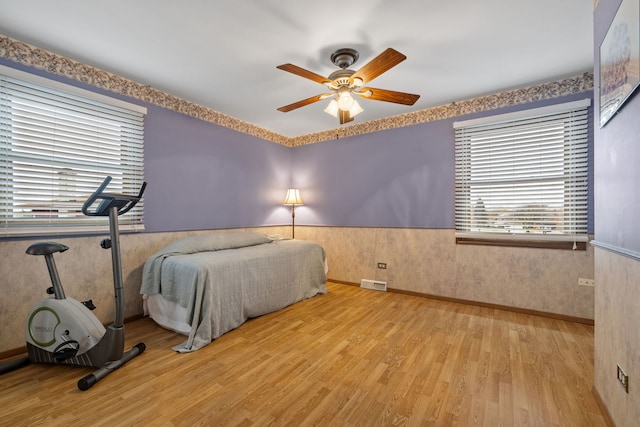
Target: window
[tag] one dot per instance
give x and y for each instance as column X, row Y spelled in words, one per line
column 57, row 144
column 522, row 177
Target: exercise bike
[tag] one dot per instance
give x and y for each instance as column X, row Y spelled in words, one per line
column 64, row 331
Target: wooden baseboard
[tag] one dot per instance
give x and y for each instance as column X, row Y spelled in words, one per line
column 342, row 282
column 21, row 351
column 482, row 304
column 603, row 408
column 10, row 354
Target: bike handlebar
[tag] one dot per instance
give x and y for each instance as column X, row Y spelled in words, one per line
column 123, row 202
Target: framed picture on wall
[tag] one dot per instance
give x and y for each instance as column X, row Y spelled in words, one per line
column 620, row 59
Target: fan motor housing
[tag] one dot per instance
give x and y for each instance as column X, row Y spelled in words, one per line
column 345, row 58
column 341, row 76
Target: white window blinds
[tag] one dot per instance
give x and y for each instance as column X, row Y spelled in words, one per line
column 56, row 147
column 523, row 175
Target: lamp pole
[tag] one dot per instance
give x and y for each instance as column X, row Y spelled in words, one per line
column 292, row 199
column 293, row 221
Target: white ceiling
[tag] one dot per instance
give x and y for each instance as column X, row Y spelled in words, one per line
column 222, row 54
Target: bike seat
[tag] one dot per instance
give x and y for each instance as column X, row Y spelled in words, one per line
column 46, row 248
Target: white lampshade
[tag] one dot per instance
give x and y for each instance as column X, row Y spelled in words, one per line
column 345, row 101
column 293, row 198
column 332, row 108
column 355, row 109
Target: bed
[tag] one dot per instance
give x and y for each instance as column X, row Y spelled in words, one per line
column 204, row 286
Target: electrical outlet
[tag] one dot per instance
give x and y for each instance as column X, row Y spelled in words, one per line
column 623, row 378
column 586, row 282
column 382, row 265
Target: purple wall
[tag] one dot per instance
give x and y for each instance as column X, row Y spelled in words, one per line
column 396, row 178
column 201, row 175
column 617, row 152
column 205, row 176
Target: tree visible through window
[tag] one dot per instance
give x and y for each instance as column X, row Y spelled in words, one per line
column 523, row 175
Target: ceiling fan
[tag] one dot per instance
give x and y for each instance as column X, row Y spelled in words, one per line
column 345, row 83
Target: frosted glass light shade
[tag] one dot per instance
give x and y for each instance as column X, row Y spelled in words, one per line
column 333, row 108
column 355, row 109
column 345, row 101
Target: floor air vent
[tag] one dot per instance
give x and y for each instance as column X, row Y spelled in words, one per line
column 376, row 285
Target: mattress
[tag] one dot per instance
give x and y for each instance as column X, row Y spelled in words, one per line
column 206, row 285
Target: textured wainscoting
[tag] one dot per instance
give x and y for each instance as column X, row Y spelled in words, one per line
column 85, row 272
column 423, row 261
column 428, row 261
column 617, row 340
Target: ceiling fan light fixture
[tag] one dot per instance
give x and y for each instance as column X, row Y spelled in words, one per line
column 332, row 108
column 355, row 109
column 345, row 100
column 344, row 83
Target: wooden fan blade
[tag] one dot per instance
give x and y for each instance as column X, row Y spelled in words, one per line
column 345, row 117
column 304, row 73
column 378, row 65
column 389, row 96
column 304, row 102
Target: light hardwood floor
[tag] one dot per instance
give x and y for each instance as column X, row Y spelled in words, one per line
column 352, row 357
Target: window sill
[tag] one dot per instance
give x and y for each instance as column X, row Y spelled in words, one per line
column 521, row 243
column 69, row 231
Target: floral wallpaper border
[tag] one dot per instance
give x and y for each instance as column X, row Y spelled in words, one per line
column 26, row 54
column 541, row 92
